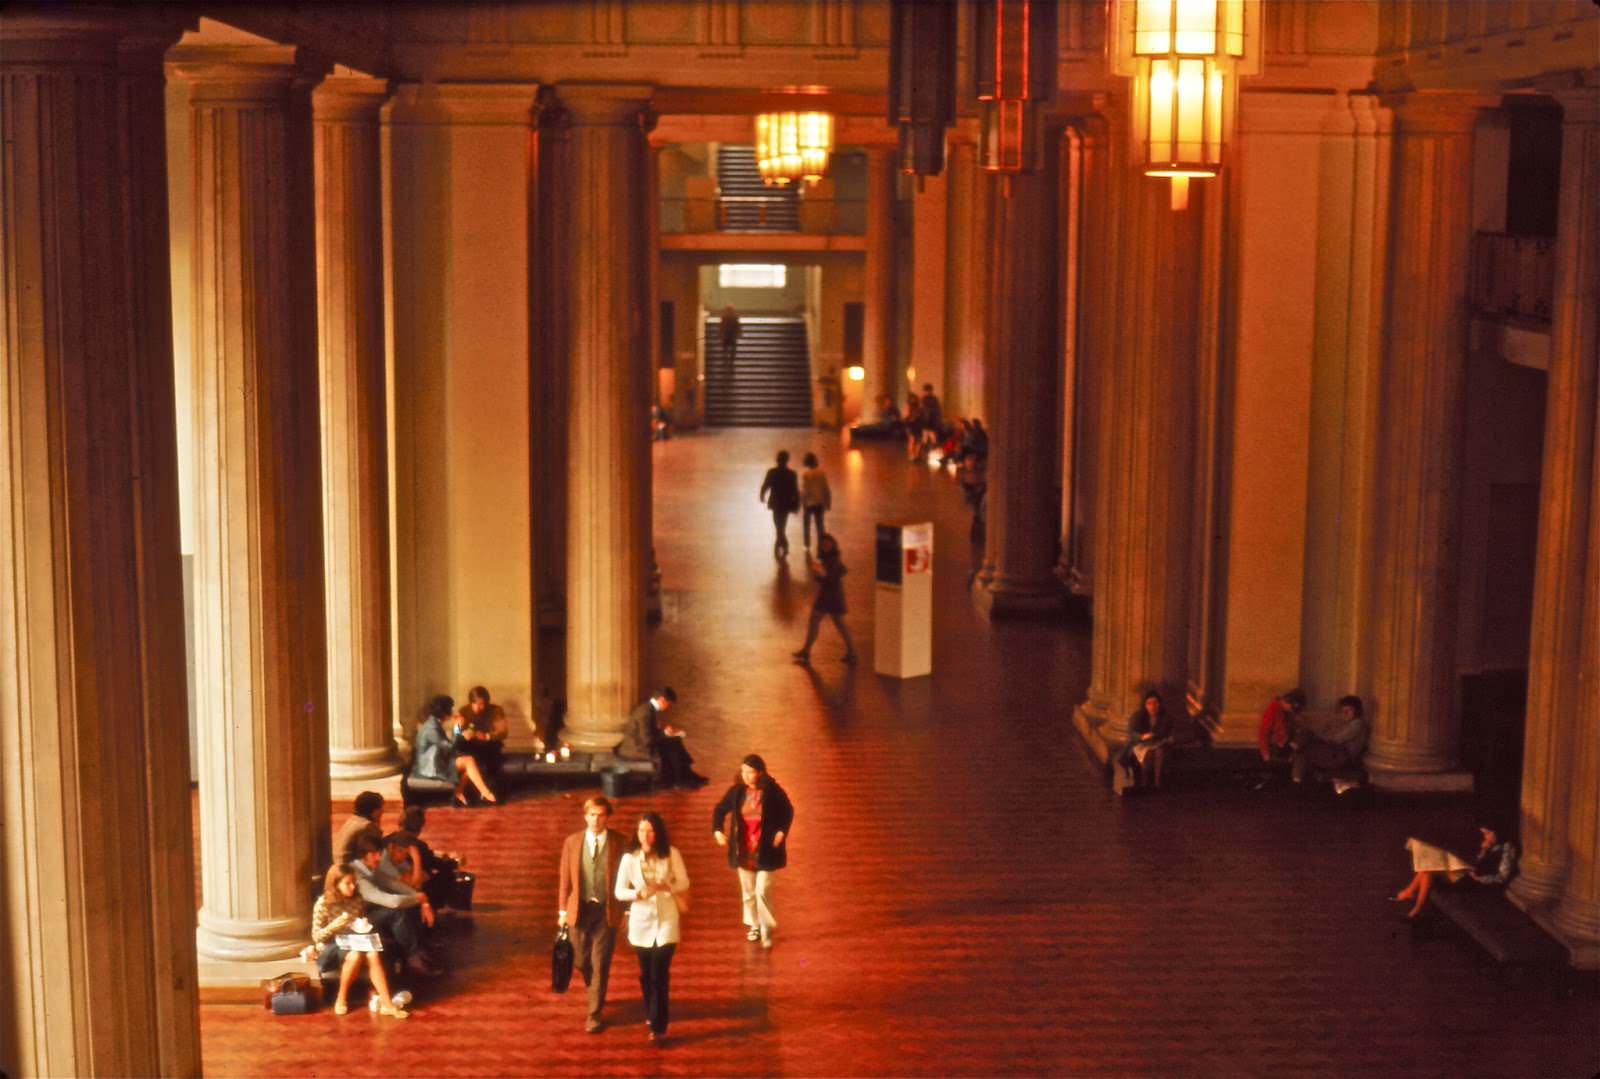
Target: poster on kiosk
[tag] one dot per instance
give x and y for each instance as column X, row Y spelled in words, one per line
column 903, row 633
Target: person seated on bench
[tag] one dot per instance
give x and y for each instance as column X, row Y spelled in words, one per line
column 367, row 820
column 399, row 912
column 339, row 909
column 1341, row 749
column 1149, row 734
column 646, row 738
column 439, row 754
column 425, row 869
column 483, row 730
column 1493, row 866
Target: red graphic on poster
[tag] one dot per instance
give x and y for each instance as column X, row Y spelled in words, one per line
column 918, row 559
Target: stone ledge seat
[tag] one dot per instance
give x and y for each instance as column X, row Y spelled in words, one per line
column 1511, row 938
column 517, row 769
column 1189, row 750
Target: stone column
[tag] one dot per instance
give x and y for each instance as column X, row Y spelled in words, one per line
column 930, row 220
column 96, row 849
column 355, row 467
column 878, row 344
column 1143, row 522
column 1020, row 403
column 1415, row 728
column 967, row 294
column 260, row 621
column 550, row 282
column 1562, row 612
column 606, row 297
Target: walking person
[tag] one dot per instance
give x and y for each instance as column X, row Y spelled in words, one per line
column 780, row 490
column 815, row 498
column 753, row 821
column 589, row 863
column 653, row 878
column 828, row 571
column 730, row 331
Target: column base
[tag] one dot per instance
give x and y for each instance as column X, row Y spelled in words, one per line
column 354, row 764
column 229, row 941
column 1537, row 883
column 344, row 790
column 1089, row 728
column 998, row 598
column 1454, row 781
column 1580, row 935
column 228, row 982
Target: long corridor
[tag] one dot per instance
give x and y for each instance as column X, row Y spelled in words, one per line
column 965, row 896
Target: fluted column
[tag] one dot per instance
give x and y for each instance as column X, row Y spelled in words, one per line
column 606, row 297
column 878, row 345
column 1562, row 609
column 99, row 957
column 967, row 295
column 260, row 623
column 355, row 480
column 1415, row 730
column 1020, row 402
column 1143, row 523
column 930, row 259
column 551, row 279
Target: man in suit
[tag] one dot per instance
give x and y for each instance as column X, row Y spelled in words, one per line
column 645, row 737
column 588, row 908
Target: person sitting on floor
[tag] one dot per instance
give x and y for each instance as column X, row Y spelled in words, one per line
column 1275, row 737
column 646, row 738
column 367, row 820
column 1340, row 750
column 1149, row 732
column 398, row 911
column 439, row 754
column 428, row 871
column 1493, row 866
column 339, row 910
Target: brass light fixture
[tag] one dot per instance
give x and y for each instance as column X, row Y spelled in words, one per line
column 1185, row 58
column 1014, row 73
column 793, row 147
column 922, row 81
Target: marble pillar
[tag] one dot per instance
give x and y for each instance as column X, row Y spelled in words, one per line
column 1144, row 519
column 967, row 292
column 606, row 294
column 878, row 344
column 929, row 280
column 550, row 276
column 260, row 624
column 355, row 477
column 99, row 957
column 1416, row 731
column 1100, row 152
column 1022, row 363
column 1563, row 613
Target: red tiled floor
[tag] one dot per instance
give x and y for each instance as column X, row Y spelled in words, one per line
column 965, row 896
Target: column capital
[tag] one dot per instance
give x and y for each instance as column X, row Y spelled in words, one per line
column 1580, row 106
column 1436, row 112
column 57, row 36
column 245, row 75
column 606, row 104
column 350, row 96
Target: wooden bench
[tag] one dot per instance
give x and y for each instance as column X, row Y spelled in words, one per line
column 1511, row 938
column 613, row 773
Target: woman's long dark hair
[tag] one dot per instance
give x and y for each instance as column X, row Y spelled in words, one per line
column 663, row 845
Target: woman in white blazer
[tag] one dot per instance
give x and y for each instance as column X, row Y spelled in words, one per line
column 653, row 879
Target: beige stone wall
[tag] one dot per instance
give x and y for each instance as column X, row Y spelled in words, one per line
column 457, row 176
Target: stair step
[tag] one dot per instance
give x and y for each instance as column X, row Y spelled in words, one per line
column 769, row 382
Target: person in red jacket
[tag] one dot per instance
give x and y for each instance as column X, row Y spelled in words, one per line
column 1276, row 737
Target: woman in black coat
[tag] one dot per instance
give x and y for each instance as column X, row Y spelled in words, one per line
column 828, row 571
column 752, row 820
column 1149, row 731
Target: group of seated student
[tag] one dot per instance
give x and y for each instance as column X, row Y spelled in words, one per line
column 465, row 748
column 1332, row 752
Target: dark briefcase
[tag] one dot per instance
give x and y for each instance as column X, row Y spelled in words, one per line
column 461, row 890
column 561, row 962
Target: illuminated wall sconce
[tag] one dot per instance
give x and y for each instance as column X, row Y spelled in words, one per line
column 1185, row 58
column 856, row 373
column 793, row 147
column 1013, row 74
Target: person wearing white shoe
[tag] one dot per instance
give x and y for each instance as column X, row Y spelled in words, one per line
column 753, row 820
column 653, row 878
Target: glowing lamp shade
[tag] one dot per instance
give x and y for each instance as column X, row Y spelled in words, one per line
column 1185, row 57
column 793, row 147
column 856, row 373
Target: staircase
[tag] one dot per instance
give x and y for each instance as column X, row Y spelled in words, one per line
column 769, row 381
column 747, row 204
